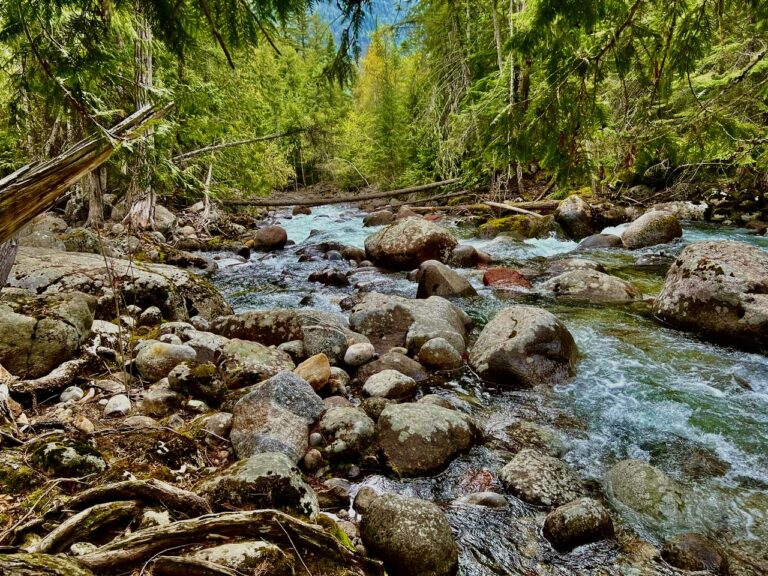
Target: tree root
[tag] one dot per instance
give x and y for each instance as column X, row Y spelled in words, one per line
column 40, row 565
column 181, row 566
column 82, row 526
column 272, row 525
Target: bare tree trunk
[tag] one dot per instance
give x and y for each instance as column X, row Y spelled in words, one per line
column 7, row 258
column 92, row 190
column 140, row 198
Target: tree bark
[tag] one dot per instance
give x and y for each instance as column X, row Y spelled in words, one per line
column 140, row 198
column 7, row 258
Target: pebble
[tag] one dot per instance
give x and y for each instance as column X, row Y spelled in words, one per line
column 316, row 439
column 119, row 405
column 72, row 393
column 359, row 354
column 313, row 459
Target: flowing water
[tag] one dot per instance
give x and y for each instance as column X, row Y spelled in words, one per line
column 698, row 411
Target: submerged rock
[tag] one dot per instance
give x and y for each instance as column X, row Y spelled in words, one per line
column 652, row 228
column 265, row 480
column 579, row 522
column 275, row 417
column 719, row 289
column 591, row 286
column 419, row 439
column 539, row 479
column 411, row 536
column 693, row 552
column 524, row 346
column 646, row 489
column 407, row 243
column 437, row 279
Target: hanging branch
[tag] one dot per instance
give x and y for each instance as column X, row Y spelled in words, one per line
column 222, row 146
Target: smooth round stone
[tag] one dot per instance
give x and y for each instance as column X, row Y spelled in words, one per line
column 579, row 522
column 315, row 439
column 359, row 354
column 72, row 394
column 119, row 405
column 487, row 499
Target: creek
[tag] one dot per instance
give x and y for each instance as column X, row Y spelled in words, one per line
column 698, row 411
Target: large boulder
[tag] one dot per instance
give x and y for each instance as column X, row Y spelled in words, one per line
column 575, row 216
column 539, row 479
column 646, row 489
column 407, row 243
column 524, row 346
column 269, row 238
column 265, row 480
column 719, row 289
column 437, row 279
column 275, row 417
column 421, row 438
column 685, row 209
column 411, row 536
column 652, row 228
column 392, row 321
column 177, row 293
column 591, row 286
column 43, row 232
column 244, row 363
column 38, row 333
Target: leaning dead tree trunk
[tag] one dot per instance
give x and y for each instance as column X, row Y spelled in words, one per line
column 224, row 145
column 34, row 188
column 7, row 258
column 267, row 202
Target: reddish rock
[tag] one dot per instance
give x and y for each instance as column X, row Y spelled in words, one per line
column 433, row 217
column 505, row 278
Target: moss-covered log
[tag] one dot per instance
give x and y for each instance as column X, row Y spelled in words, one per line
column 40, row 565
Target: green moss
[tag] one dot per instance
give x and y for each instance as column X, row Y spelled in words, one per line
column 15, row 476
column 520, row 227
column 329, row 525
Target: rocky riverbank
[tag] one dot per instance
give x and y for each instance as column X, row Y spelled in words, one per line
column 141, row 415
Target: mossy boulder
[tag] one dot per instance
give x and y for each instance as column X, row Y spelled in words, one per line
column 68, row 459
column 521, row 227
column 646, row 489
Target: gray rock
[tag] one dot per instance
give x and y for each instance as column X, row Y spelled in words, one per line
column 328, row 340
column 392, row 361
column 390, row 384
column 539, row 479
column 467, row 256
column 684, row 209
column 249, row 557
column 349, row 431
column 155, row 360
column 524, row 347
column 439, row 354
column 579, row 522
column 67, row 459
column 152, row 316
column 597, row 241
column 652, row 228
column 407, row 243
column 139, row 421
column 159, row 400
column 294, row 349
column 420, row 439
column 358, row 354
column 720, row 290
column 364, row 498
column 411, row 536
column 72, row 393
column 437, row 279
column 119, row 405
column 275, row 417
column 591, row 286
column 575, row 217
column 198, row 380
column 207, row 345
column 265, row 480
column 218, row 425
column 200, row 323
column 244, row 363
column 646, row 489
column 569, row 264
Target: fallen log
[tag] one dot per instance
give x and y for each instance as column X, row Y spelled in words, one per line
column 82, row 526
column 275, row 202
column 34, row 188
column 511, row 208
column 427, row 200
column 40, row 565
column 136, row 549
column 224, row 145
column 152, row 491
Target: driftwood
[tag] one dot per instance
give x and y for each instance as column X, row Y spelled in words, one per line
column 40, row 565
column 181, row 566
column 511, row 208
column 428, row 200
column 139, row 547
column 150, row 491
column 274, row 202
column 224, row 145
column 82, row 526
column 55, row 381
column 34, row 188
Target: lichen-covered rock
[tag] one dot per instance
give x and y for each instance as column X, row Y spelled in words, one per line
column 524, row 346
column 198, row 380
column 349, row 431
column 331, row 341
column 591, row 286
column 521, row 227
column 539, row 479
column 244, row 363
column 575, row 216
column 439, row 354
column 390, row 321
column 316, row 370
column 569, row 264
column 206, row 344
column 249, row 557
column 411, row 536
column 719, row 289
column 38, row 333
column 685, row 209
column 407, row 243
column 156, row 359
column 390, row 384
column 652, row 228
column 67, row 459
column 646, row 489
column 159, row 400
column 693, row 552
column 179, row 294
column 392, row 361
column 437, row 279
column 264, row 480
column 579, row 522
column 420, row 439
column 269, row 238
column 275, row 417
